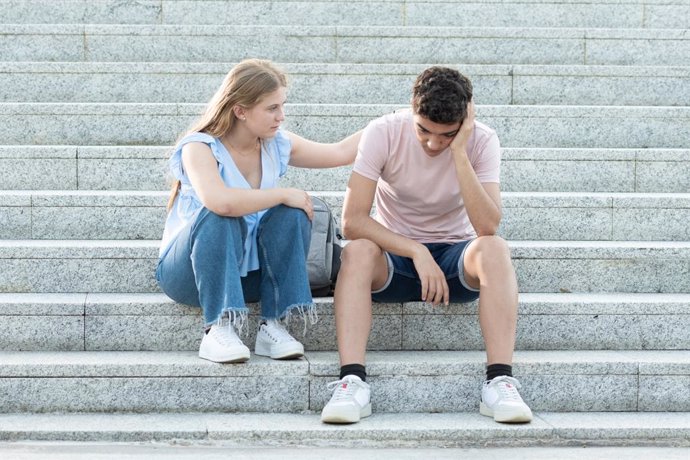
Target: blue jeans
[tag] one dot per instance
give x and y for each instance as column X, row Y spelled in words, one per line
column 202, row 267
column 404, row 285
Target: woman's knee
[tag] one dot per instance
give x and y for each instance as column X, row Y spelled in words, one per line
column 283, row 217
column 208, row 222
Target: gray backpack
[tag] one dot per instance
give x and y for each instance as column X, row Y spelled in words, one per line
column 323, row 261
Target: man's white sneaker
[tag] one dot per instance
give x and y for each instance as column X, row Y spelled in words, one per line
column 222, row 345
column 501, row 400
column 350, row 402
column 274, row 341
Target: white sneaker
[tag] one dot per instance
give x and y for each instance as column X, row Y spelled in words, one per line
column 501, row 400
column 274, row 341
column 350, row 402
column 222, row 345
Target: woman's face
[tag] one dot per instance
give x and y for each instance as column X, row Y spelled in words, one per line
column 267, row 115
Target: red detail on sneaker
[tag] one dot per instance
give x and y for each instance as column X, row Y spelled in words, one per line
column 508, row 385
column 344, row 386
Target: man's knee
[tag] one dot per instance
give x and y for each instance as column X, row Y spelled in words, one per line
column 360, row 253
column 492, row 246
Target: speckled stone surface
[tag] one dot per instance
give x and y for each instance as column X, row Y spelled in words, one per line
column 664, row 393
column 521, row 14
column 552, row 332
column 123, row 174
column 173, row 43
column 78, row 275
column 600, row 90
column 523, row 126
column 622, row 426
column 42, row 332
column 567, row 176
column 99, row 223
column 380, row 430
column 521, row 223
column 651, row 224
column 287, row 13
column 347, row 44
column 663, row 176
column 16, row 304
column 637, row 51
column 391, row 83
column 44, row 174
column 193, row 82
column 18, row 47
column 15, row 222
column 162, row 394
column 451, row 49
column 80, row 11
column 155, row 333
column 667, row 16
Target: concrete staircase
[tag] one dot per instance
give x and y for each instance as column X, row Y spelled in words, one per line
column 591, row 101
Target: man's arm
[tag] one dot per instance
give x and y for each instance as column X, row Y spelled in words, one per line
column 482, row 200
column 357, row 223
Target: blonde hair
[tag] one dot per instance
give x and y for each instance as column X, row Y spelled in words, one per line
column 245, row 85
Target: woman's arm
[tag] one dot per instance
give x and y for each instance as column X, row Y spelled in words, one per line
column 202, row 170
column 310, row 154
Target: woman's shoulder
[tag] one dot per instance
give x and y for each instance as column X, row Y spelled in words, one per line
column 196, row 137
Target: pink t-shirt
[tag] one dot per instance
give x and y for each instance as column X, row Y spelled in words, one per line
column 418, row 196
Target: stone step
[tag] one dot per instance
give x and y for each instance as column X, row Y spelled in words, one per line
column 597, row 381
column 51, row 167
column 193, row 82
column 536, row 13
column 582, row 429
column 517, row 126
column 70, row 266
column 153, row 322
column 369, row 44
column 97, row 215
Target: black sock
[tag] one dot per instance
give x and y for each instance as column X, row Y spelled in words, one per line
column 496, row 370
column 354, row 369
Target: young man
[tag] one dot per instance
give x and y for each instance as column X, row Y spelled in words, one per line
column 434, row 172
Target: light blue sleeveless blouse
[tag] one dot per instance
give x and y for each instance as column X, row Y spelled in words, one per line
column 275, row 154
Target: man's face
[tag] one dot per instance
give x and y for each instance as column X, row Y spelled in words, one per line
column 434, row 137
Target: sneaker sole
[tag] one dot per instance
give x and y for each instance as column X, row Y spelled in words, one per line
column 240, row 357
column 345, row 415
column 291, row 352
column 507, row 416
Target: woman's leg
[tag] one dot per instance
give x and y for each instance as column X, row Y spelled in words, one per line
column 284, row 235
column 201, row 267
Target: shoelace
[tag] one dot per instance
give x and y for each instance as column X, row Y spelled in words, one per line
column 341, row 391
column 508, row 387
column 277, row 332
column 226, row 335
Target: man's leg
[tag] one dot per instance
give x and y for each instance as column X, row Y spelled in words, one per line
column 363, row 268
column 487, row 266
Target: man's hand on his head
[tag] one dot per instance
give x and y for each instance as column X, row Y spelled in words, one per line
column 459, row 143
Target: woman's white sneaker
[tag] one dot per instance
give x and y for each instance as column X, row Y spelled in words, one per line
column 222, row 345
column 274, row 341
column 351, row 400
column 501, row 400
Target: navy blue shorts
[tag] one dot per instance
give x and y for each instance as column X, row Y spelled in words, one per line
column 404, row 285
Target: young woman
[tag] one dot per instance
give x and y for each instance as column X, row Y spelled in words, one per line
column 232, row 234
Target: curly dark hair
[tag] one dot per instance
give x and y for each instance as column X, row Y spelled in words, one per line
column 441, row 95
